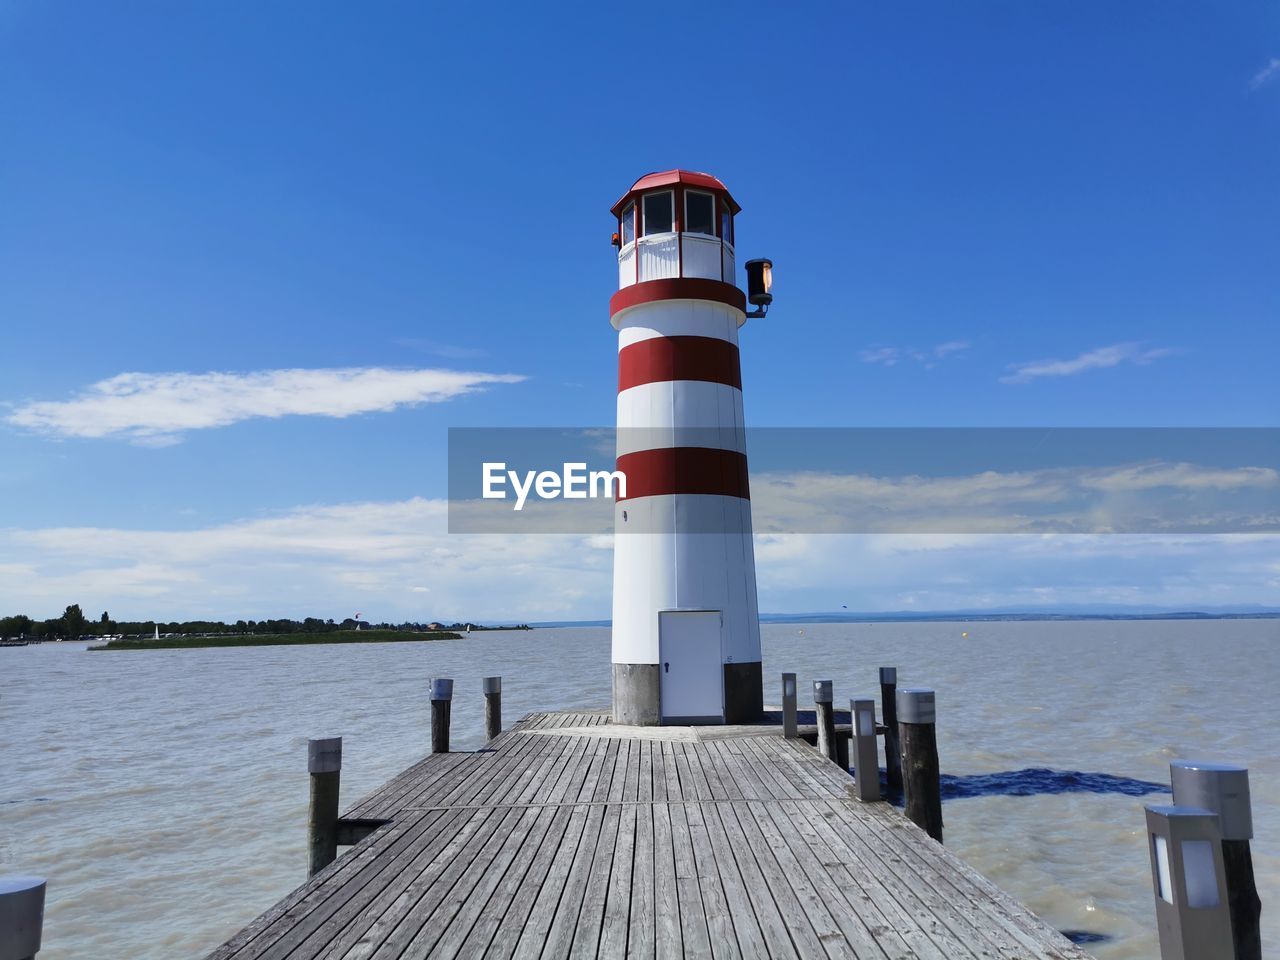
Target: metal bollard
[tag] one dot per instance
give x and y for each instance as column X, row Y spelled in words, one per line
column 492, row 706
column 21, row 916
column 866, row 750
column 1223, row 789
column 1189, row 881
column 324, row 763
column 441, row 705
column 824, row 713
column 789, row 725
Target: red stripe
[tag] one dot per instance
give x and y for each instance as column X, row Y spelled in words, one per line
column 661, row 359
column 677, row 288
column 672, row 470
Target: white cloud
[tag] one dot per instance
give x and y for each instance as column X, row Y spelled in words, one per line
column 1127, row 498
column 395, row 561
column 1267, row 73
column 157, row 408
column 883, row 355
column 951, row 346
column 891, row 356
column 392, row 560
column 1099, row 359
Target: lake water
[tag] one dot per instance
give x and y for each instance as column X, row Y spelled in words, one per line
column 164, row 792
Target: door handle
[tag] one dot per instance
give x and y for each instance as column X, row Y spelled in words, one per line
column 666, row 667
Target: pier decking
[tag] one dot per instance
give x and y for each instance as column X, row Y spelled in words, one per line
column 570, row 837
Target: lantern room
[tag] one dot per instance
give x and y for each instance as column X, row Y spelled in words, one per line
column 678, row 223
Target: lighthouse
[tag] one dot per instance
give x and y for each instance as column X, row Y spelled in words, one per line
column 686, row 627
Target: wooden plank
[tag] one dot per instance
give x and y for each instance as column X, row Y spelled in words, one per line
column 511, row 904
column 446, row 928
column 615, row 926
column 718, row 870
column 808, row 869
column 529, row 940
column 557, row 842
column 586, row 934
column 1001, row 931
column 668, row 911
column 274, row 922
column 784, row 940
column 398, row 922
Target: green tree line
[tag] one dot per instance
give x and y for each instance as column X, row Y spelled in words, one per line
column 73, row 624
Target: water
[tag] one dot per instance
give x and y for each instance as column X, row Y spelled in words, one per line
column 164, row 793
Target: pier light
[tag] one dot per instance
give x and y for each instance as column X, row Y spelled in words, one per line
column 823, row 691
column 1222, row 788
column 21, row 916
column 1189, row 882
column 790, row 726
column 866, row 755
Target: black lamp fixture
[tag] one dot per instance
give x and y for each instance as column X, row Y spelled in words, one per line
column 759, row 283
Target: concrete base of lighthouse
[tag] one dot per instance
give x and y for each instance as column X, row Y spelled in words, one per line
column 637, row 693
column 637, row 696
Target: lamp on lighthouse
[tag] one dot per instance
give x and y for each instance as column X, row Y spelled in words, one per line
column 759, row 284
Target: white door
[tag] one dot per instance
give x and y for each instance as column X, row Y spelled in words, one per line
column 691, row 666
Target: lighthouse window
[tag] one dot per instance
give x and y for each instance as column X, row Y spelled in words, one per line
column 726, row 223
column 628, row 224
column 659, row 213
column 699, row 213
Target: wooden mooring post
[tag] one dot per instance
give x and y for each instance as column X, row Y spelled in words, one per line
column 492, row 706
column 892, row 744
column 824, row 710
column 324, row 763
column 922, row 781
column 441, row 706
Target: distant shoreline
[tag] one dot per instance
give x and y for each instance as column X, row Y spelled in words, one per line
column 957, row 617
column 279, row 639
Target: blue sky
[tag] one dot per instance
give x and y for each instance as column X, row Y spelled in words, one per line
column 1008, row 215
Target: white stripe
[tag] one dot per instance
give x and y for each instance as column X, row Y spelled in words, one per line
column 672, row 571
column 680, row 413
column 677, row 318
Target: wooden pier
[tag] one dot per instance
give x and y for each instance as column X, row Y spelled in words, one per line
column 571, row 837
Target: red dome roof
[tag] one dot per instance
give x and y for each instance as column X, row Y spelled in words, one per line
column 668, row 177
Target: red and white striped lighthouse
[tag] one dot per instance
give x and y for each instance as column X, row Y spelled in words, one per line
column 686, row 630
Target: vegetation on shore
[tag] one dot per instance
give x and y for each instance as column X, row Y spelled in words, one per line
column 74, row 625
column 276, row 639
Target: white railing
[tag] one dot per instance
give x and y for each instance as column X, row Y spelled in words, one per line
column 627, row 266
column 701, row 256
column 659, row 257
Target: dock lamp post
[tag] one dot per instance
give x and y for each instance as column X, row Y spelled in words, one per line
column 1190, row 884
column 1223, row 789
column 21, row 916
column 759, row 285
column 866, row 753
column 789, row 720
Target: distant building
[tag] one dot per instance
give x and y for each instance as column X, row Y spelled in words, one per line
column 435, row 626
